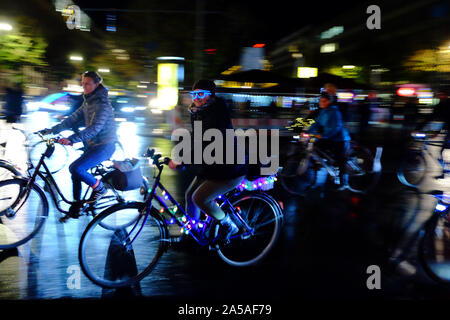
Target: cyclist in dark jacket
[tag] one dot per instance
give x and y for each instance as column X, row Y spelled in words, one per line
column 213, row 179
column 99, row 135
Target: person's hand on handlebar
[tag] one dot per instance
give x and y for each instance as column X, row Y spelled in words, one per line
column 65, row 142
column 173, row 164
column 45, row 132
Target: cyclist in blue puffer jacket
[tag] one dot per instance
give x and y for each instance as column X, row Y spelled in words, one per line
column 99, row 135
column 332, row 135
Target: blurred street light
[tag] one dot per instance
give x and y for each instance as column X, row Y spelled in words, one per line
column 348, row 67
column 5, row 26
column 104, row 70
column 76, row 58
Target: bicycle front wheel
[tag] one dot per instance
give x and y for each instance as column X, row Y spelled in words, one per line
column 8, row 171
column 412, row 169
column 264, row 217
column 56, row 162
column 23, row 211
column 361, row 177
column 122, row 255
column 298, row 175
column 434, row 249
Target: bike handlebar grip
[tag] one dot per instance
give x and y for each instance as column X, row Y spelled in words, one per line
column 150, row 153
column 436, row 192
column 166, row 160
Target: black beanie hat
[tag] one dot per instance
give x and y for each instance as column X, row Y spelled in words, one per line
column 205, row 85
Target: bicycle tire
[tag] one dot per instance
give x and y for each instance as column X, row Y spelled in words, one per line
column 426, row 249
column 294, row 183
column 412, row 169
column 10, row 171
column 83, row 255
column 359, row 168
column 17, row 205
column 275, row 211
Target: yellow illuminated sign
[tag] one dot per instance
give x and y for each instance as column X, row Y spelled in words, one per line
column 303, row 72
column 167, row 93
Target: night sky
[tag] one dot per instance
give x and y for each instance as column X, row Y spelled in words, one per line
column 273, row 20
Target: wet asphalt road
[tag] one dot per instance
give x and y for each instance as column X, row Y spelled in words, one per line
column 324, row 250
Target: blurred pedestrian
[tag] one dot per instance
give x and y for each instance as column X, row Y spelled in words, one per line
column 365, row 112
column 410, row 112
column 13, row 103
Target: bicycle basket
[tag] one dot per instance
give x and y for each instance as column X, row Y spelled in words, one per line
column 126, row 176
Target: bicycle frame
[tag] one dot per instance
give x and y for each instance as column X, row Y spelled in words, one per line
column 48, row 179
column 54, row 189
column 184, row 222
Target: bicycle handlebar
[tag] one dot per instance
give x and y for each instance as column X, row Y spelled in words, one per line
column 47, row 140
column 440, row 195
column 150, row 153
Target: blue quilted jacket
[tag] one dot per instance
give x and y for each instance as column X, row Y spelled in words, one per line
column 97, row 115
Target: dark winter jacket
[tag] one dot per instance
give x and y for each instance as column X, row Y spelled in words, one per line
column 97, row 115
column 215, row 115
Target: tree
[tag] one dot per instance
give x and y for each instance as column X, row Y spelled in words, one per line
column 18, row 50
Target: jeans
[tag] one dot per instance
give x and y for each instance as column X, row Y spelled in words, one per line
column 90, row 158
column 201, row 194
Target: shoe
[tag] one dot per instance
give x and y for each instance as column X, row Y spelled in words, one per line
column 343, row 185
column 97, row 194
column 227, row 228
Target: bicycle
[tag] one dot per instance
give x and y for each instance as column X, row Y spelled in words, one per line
column 308, row 166
column 413, row 167
column 59, row 158
column 24, row 206
column 124, row 254
column 434, row 241
column 8, row 169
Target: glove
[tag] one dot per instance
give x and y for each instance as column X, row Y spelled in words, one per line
column 45, row 132
column 65, row 142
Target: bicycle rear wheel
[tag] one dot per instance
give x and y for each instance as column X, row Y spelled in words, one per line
column 264, row 216
column 412, row 169
column 122, row 255
column 23, row 211
column 434, row 249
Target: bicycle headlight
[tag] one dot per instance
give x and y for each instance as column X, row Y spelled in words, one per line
column 440, row 207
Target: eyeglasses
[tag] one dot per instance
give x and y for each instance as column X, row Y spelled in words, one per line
column 200, row 94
